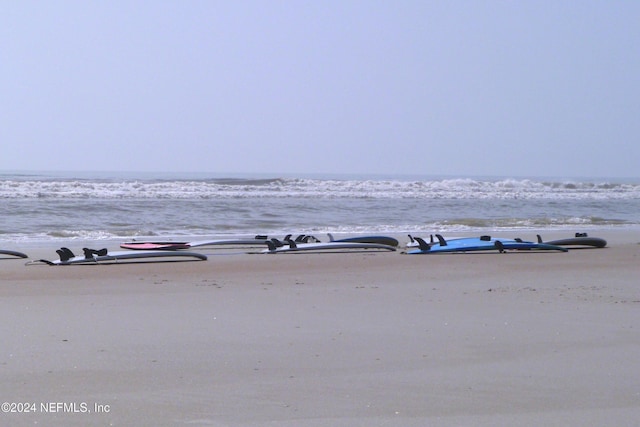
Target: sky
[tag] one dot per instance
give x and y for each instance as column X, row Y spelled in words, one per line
column 502, row 88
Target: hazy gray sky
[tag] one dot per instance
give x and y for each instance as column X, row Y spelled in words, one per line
column 547, row 88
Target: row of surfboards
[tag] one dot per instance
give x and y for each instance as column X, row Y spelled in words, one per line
column 168, row 250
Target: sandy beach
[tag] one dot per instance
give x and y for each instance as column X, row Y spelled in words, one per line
column 358, row 339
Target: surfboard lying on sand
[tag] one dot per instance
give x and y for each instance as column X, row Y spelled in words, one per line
column 103, row 256
column 383, row 240
column 275, row 246
column 476, row 244
column 13, row 253
column 581, row 240
column 172, row 246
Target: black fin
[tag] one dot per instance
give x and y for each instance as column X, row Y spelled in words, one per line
column 517, row 239
column 88, row 253
column 539, row 238
column 68, row 252
column 63, row 255
column 292, row 244
column 441, row 240
column 424, row 246
column 499, row 246
column 277, row 242
column 410, row 238
column 271, row 245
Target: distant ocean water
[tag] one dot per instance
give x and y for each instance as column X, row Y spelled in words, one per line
column 49, row 206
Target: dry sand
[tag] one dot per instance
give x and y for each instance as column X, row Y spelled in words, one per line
column 359, row 339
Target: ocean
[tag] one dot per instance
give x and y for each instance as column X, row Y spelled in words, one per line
column 52, row 206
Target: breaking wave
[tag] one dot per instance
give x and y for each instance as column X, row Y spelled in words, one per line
column 224, row 188
column 49, row 207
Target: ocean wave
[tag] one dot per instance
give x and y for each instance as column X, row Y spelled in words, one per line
column 232, row 188
column 53, row 208
column 527, row 223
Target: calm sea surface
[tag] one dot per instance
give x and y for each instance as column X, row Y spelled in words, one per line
column 95, row 206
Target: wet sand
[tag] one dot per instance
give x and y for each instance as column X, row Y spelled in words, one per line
column 358, row 339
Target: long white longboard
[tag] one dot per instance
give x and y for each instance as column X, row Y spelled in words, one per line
column 290, row 246
column 172, row 246
column 104, row 257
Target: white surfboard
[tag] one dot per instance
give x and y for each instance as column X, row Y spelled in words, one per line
column 170, row 246
column 290, row 246
column 124, row 256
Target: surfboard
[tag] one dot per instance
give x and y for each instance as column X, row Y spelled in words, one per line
column 13, row 253
column 275, row 246
column 103, row 256
column 172, row 246
column 382, row 240
column 580, row 241
column 476, row 244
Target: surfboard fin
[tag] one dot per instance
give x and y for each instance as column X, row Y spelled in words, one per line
column 539, row 238
column 292, row 244
column 271, row 245
column 441, row 240
column 89, row 253
column 277, row 243
column 65, row 254
column 424, row 246
column 499, row 246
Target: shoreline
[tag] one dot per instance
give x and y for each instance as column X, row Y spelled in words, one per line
column 359, row 339
column 622, row 234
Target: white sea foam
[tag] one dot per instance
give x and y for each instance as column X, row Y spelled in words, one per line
column 313, row 188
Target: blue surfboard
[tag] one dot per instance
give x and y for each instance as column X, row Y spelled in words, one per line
column 477, row 244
